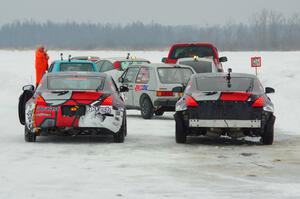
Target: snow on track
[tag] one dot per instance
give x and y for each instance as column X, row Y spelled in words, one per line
column 150, row 164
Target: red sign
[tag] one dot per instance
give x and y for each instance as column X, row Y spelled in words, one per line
column 255, row 62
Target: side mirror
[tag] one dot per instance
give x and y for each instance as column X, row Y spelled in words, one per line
column 163, row 60
column 124, row 89
column 178, row 89
column 223, row 59
column 269, row 90
column 121, row 79
column 28, row 88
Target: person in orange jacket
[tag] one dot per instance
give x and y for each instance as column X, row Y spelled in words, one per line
column 41, row 63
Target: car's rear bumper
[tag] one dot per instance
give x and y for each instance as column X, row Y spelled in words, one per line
column 165, row 103
column 198, row 123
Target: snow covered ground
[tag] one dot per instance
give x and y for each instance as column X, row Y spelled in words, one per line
column 149, row 164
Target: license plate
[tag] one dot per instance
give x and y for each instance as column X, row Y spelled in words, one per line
column 73, row 110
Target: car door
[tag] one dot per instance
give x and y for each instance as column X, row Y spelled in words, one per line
column 141, row 85
column 129, row 78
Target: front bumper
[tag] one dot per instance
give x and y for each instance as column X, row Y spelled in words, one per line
column 197, row 123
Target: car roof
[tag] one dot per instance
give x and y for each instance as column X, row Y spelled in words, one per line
column 72, row 61
column 124, row 59
column 193, row 44
column 160, row 65
column 224, row 75
column 80, row 73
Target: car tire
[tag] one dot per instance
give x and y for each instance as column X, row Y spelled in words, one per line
column 180, row 129
column 159, row 112
column 268, row 134
column 29, row 136
column 119, row 137
column 147, row 109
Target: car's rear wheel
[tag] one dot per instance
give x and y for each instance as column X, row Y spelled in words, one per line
column 147, row 109
column 159, row 112
column 119, row 137
column 268, row 134
column 29, row 136
column 180, row 129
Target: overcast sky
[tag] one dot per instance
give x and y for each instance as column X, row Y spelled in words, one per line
column 172, row 12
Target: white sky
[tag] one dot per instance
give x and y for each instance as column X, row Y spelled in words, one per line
column 172, row 12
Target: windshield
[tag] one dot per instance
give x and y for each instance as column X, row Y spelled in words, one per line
column 125, row 64
column 243, row 84
column 191, row 51
column 75, row 83
column 174, row 75
column 76, row 67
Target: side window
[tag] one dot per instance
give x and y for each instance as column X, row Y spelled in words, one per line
column 130, row 75
column 51, row 67
column 99, row 65
column 143, row 76
column 106, row 66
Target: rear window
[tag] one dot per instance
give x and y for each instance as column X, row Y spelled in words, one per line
column 174, row 75
column 191, row 51
column 125, row 64
column 75, row 83
column 76, row 67
column 243, row 84
column 199, row 66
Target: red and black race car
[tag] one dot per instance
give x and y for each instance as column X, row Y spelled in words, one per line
column 73, row 103
column 230, row 104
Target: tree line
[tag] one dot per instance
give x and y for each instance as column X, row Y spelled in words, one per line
column 266, row 30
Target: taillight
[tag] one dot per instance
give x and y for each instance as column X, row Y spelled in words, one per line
column 190, row 101
column 40, row 101
column 234, row 96
column 258, row 103
column 164, row 93
column 108, row 101
column 117, row 65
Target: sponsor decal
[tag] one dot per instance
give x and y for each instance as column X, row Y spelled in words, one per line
column 43, row 114
column 141, row 87
column 47, row 108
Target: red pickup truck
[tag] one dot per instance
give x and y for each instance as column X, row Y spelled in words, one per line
column 185, row 50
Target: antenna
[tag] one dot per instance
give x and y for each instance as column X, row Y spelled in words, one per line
column 228, row 77
column 61, row 56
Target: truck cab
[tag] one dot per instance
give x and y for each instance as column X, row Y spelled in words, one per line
column 200, row 50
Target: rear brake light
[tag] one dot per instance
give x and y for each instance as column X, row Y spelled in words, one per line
column 164, row 93
column 40, row 101
column 108, row 101
column 258, row 103
column 190, row 101
column 234, row 96
column 117, row 65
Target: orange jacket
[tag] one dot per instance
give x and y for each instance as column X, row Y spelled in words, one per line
column 41, row 64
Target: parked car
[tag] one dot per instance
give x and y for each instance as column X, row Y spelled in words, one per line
column 219, row 104
column 200, row 65
column 72, row 66
column 116, row 66
column 77, row 103
column 185, row 50
column 150, row 87
column 87, row 58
